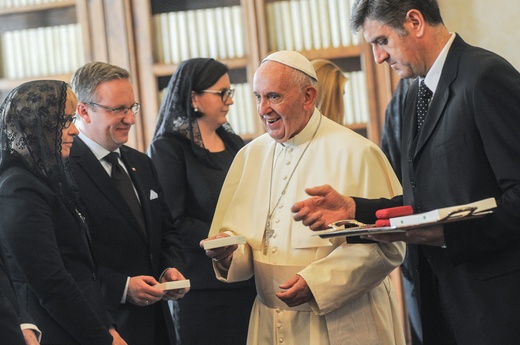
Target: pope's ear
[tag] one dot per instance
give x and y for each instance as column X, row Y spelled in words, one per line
column 82, row 112
column 310, row 95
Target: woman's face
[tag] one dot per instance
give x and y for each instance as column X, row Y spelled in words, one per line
column 69, row 131
column 211, row 105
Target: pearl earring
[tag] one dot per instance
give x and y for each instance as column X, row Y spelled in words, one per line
column 196, row 109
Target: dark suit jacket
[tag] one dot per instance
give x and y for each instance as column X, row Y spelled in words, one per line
column 51, row 265
column 467, row 150
column 9, row 309
column 121, row 247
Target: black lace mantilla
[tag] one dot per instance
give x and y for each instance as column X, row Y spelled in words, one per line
column 31, row 124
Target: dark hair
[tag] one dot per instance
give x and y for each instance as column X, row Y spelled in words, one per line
column 393, row 12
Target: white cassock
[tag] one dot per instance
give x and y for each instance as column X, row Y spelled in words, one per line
column 354, row 301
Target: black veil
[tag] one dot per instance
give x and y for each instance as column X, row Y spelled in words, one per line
column 31, row 124
column 177, row 115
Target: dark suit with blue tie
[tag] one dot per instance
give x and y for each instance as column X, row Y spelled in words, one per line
column 467, row 150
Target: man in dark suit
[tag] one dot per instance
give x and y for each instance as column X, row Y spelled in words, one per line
column 136, row 245
column 16, row 327
column 467, row 149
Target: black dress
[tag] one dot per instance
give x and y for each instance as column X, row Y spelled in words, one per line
column 212, row 312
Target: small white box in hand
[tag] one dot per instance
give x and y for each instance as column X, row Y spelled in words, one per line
column 175, row 284
column 224, row 241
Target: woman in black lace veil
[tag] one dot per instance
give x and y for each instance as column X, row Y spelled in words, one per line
column 192, row 148
column 42, row 227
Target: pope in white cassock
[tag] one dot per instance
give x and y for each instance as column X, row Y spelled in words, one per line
column 310, row 290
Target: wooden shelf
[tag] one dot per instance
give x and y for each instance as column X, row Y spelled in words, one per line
column 161, row 70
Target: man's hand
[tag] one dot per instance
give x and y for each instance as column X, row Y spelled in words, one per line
column 296, row 292
column 117, row 340
column 325, row 206
column 30, row 337
column 141, row 291
column 173, row 274
column 432, row 236
column 222, row 255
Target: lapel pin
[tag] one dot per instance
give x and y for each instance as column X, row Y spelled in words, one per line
column 133, row 169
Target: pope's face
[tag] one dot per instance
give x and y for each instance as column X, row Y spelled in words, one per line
column 281, row 103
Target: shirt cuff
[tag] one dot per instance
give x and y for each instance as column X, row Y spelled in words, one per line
column 33, row 328
column 123, row 299
column 163, row 273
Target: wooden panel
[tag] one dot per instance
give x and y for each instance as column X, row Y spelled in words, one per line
column 149, row 99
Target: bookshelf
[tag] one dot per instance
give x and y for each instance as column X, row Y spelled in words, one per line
column 268, row 26
column 41, row 39
column 170, row 32
column 126, row 33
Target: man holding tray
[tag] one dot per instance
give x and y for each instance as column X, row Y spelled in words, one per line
column 460, row 144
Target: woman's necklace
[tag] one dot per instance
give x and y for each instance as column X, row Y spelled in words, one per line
column 269, row 232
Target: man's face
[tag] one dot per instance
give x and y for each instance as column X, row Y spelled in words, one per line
column 402, row 53
column 284, row 107
column 110, row 129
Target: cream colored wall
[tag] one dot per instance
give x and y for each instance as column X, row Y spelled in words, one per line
column 490, row 24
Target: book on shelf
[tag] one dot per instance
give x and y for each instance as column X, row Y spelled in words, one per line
column 57, row 47
column 202, row 33
column 344, row 28
column 297, row 20
column 335, row 31
column 348, row 102
column 193, row 42
column 457, row 213
column 228, row 29
column 183, row 36
column 315, row 24
column 165, row 38
column 306, row 24
column 323, row 14
column 238, row 30
column 287, row 25
column 209, row 15
column 279, row 28
column 173, row 25
column 221, row 33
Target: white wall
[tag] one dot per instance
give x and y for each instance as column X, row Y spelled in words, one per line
column 490, row 24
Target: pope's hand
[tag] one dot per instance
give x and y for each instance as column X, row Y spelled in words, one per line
column 222, row 255
column 295, row 292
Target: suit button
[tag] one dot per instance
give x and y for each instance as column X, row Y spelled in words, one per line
column 412, row 184
column 410, row 159
column 94, row 277
column 151, row 257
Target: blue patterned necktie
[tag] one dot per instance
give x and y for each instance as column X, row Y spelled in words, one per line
column 423, row 101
